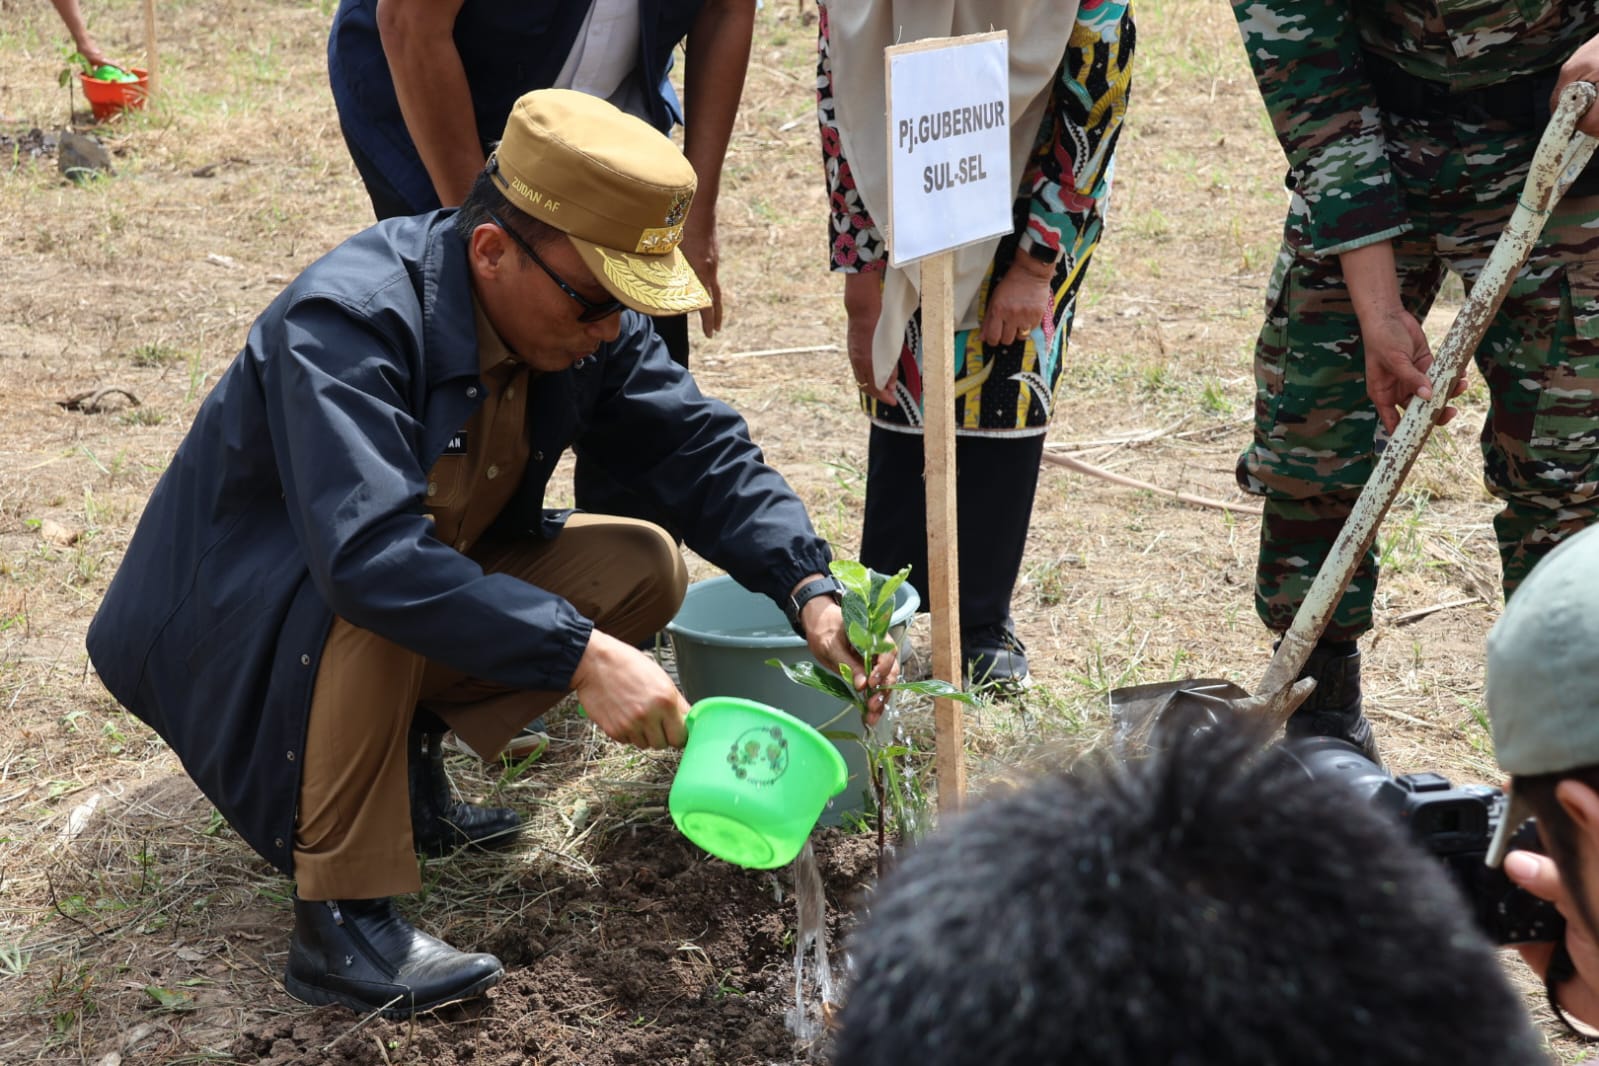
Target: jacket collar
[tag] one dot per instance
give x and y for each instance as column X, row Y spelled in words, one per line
column 449, row 324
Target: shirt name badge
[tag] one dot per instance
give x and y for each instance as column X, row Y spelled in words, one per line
column 456, row 445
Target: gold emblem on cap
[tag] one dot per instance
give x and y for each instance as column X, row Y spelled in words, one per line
column 659, row 241
column 679, row 208
column 668, row 284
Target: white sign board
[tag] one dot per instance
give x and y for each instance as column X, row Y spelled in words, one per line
column 948, row 144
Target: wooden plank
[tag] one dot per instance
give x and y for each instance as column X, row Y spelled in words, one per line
column 943, row 578
column 149, row 47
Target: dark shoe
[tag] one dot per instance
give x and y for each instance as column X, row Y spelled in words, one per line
column 361, row 954
column 439, row 822
column 994, row 657
column 1334, row 708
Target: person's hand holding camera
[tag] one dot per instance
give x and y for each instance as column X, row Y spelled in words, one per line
column 1578, row 995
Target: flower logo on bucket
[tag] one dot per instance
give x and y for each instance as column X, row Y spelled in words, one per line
column 759, row 756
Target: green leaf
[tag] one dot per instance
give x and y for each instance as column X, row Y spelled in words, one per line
column 854, row 576
column 813, row 676
column 862, row 638
column 935, row 688
column 167, row 999
column 841, row 734
column 855, row 613
column 884, row 594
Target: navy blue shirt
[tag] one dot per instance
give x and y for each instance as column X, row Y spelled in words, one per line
column 508, row 47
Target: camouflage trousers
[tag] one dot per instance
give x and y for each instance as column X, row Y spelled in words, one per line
column 1316, row 432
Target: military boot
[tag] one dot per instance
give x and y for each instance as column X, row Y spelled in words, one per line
column 439, row 822
column 1334, row 708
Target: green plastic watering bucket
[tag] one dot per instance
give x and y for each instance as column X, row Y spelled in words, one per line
column 752, row 781
column 723, row 636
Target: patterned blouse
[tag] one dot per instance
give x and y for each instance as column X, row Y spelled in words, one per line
column 1061, row 201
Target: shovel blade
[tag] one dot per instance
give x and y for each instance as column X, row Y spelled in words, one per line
column 1139, row 712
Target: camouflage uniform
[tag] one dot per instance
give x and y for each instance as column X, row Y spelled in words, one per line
column 1439, row 181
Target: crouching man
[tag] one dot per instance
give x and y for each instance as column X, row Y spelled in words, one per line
column 349, row 551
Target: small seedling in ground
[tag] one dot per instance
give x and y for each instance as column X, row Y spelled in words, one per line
column 868, row 616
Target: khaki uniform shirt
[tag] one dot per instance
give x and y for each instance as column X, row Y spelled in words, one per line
column 482, row 465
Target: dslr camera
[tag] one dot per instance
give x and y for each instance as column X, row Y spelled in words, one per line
column 1454, row 822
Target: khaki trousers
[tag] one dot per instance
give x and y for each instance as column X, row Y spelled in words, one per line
column 352, row 836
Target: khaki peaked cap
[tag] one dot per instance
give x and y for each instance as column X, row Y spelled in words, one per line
column 616, row 186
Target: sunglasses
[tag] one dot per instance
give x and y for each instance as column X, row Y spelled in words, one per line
column 592, row 311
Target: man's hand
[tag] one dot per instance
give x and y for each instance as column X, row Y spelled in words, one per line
column 628, row 695
column 823, row 621
column 1397, row 361
column 1397, row 354
column 1582, row 66
column 1539, row 875
column 717, row 50
column 700, row 249
column 1019, row 302
column 863, row 304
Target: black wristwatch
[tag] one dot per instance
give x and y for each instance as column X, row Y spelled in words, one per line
column 822, row 586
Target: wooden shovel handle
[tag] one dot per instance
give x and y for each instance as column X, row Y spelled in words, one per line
column 1561, row 155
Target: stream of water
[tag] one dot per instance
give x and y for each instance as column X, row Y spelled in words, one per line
column 814, row 995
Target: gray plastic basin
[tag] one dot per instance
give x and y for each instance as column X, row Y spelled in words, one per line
column 722, row 637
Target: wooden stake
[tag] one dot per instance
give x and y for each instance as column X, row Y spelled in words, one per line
column 943, row 577
column 149, row 46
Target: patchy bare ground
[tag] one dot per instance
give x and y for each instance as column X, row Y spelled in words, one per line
column 135, row 928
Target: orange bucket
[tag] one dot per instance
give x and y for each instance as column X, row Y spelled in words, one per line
column 106, row 98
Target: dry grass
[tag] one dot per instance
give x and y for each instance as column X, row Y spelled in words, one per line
column 132, row 923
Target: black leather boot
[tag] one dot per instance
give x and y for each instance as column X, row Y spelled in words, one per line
column 1334, row 708
column 439, row 823
column 361, row 954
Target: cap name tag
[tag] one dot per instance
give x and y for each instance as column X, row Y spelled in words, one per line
column 539, row 199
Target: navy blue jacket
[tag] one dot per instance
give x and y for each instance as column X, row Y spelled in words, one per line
column 299, row 493
column 508, row 47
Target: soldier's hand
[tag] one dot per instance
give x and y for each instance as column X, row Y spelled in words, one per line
column 1582, row 66
column 1397, row 361
column 628, row 695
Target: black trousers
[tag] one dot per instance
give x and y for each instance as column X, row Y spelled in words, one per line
column 995, row 480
